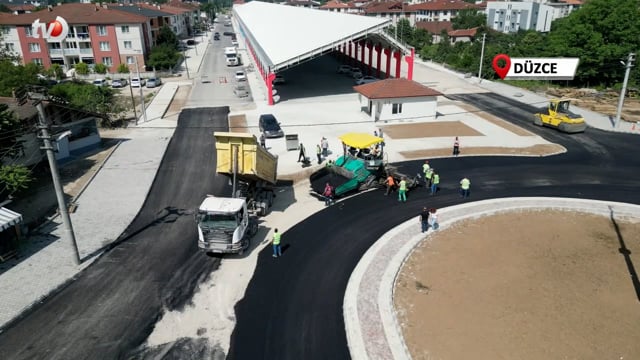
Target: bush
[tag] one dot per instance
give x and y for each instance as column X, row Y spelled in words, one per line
column 82, row 68
column 123, row 69
column 15, row 178
column 100, row 69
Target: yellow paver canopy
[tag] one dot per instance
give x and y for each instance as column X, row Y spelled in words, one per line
column 360, row 140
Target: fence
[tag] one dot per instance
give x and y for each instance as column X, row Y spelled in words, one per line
column 143, row 74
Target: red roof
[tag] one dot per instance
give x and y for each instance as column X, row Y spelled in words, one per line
column 385, row 7
column 463, row 32
column 334, row 4
column 75, row 13
column 166, row 8
column 443, row 5
column 23, row 7
column 395, row 88
column 435, row 27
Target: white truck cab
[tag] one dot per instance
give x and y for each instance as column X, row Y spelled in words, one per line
column 224, row 225
column 232, row 57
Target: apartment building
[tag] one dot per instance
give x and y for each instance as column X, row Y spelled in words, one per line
column 96, row 35
column 511, row 16
column 440, row 10
column 180, row 20
column 157, row 19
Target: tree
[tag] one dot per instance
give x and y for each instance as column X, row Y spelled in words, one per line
column 163, row 57
column 123, row 69
column 55, row 71
column 14, row 178
column 84, row 96
column 167, row 37
column 100, row 69
column 209, row 9
column 11, row 128
column 82, row 68
column 405, row 31
column 469, row 19
column 14, row 76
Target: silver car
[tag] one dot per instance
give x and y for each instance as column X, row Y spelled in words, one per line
column 154, row 82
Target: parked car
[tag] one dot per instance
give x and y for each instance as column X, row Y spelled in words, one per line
column 366, row 80
column 357, row 74
column 137, row 82
column 241, row 90
column 278, row 80
column 100, row 82
column 234, row 42
column 241, row 76
column 182, row 46
column 344, row 69
column 228, row 33
column 118, row 83
column 154, row 82
column 216, row 36
column 191, row 42
column 269, row 126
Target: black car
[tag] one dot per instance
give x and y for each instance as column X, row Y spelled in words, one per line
column 216, row 37
column 191, row 42
column 228, row 33
column 269, row 126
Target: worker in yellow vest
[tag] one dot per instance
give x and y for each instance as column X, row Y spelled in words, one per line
column 435, row 183
column 465, row 186
column 277, row 250
column 402, row 192
column 428, row 177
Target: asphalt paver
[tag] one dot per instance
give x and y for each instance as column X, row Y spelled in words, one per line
column 292, row 308
column 112, row 306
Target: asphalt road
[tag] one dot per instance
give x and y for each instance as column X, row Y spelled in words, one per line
column 292, row 308
column 112, row 306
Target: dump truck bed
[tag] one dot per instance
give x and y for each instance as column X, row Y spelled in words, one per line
column 254, row 162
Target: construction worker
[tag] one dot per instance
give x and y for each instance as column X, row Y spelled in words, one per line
column 328, row 194
column 428, row 177
column 302, row 156
column 424, row 219
column 465, row 185
column 263, row 141
column 319, row 153
column 425, row 167
column 402, row 191
column 456, row 147
column 277, row 250
column 391, row 183
column 434, row 183
column 325, row 147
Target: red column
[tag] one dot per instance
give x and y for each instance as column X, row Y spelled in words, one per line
column 378, row 48
column 409, row 59
column 387, row 53
column 269, row 80
column 398, row 57
column 350, row 51
column 370, row 62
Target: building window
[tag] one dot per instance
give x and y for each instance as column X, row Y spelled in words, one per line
column 107, row 61
column 396, row 109
column 34, row 47
column 9, row 47
column 102, row 30
column 127, row 45
column 29, row 31
column 130, row 60
column 105, row 46
column 124, row 29
column 37, row 61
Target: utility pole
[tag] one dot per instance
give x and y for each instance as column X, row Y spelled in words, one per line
column 48, row 147
column 144, row 111
column 184, row 54
column 484, row 37
column 133, row 101
column 628, row 65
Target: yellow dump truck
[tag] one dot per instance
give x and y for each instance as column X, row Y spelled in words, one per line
column 226, row 224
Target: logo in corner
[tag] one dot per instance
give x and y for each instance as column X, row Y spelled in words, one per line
column 56, row 30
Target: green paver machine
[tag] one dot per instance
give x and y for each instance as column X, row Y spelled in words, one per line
column 362, row 166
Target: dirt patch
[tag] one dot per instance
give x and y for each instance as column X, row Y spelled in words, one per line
column 604, row 102
column 429, row 129
column 179, row 100
column 238, row 123
column 535, row 150
column 505, row 287
column 495, row 120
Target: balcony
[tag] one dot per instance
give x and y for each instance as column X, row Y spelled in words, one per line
column 71, row 51
column 57, row 53
column 83, row 37
column 86, row 51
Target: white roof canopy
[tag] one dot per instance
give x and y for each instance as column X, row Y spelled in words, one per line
column 9, row 218
column 284, row 35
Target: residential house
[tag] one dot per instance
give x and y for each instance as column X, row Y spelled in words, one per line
column 303, row 3
column 562, row 8
column 435, row 28
column 440, row 10
column 396, row 99
column 512, row 16
column 192, row 6
column 462, row 35
column 82, row 125
column 335, row 6
column 394, row 10
column 96, row 35
column 157, row 19
column 20, row 8
column 180, row 20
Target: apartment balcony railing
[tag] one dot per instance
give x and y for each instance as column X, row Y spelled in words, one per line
column 55, row 52
column 83, row 36
column 86, row 51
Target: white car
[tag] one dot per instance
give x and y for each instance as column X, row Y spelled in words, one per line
column 241, row 76
column 278, row 80
column 366, row 80
column 100, row 82
column 137, row 82
column 234, row 42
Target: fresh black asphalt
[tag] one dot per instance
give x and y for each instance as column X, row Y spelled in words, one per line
column 112, row 306
column 292, row 308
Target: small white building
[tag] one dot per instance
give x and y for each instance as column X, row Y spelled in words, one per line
column 512, row 16
column 396, row 99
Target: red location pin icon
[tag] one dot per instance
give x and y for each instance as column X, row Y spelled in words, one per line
column 502, row 71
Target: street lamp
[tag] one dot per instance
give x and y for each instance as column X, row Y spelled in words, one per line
column 144, row 112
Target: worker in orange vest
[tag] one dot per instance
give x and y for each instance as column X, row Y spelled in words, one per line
column 391, row 184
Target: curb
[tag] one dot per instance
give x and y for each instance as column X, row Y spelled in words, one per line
column 170, row 101
column 391, row 341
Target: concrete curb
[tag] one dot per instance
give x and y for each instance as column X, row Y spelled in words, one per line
column 170, row 101
column 405, row 238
